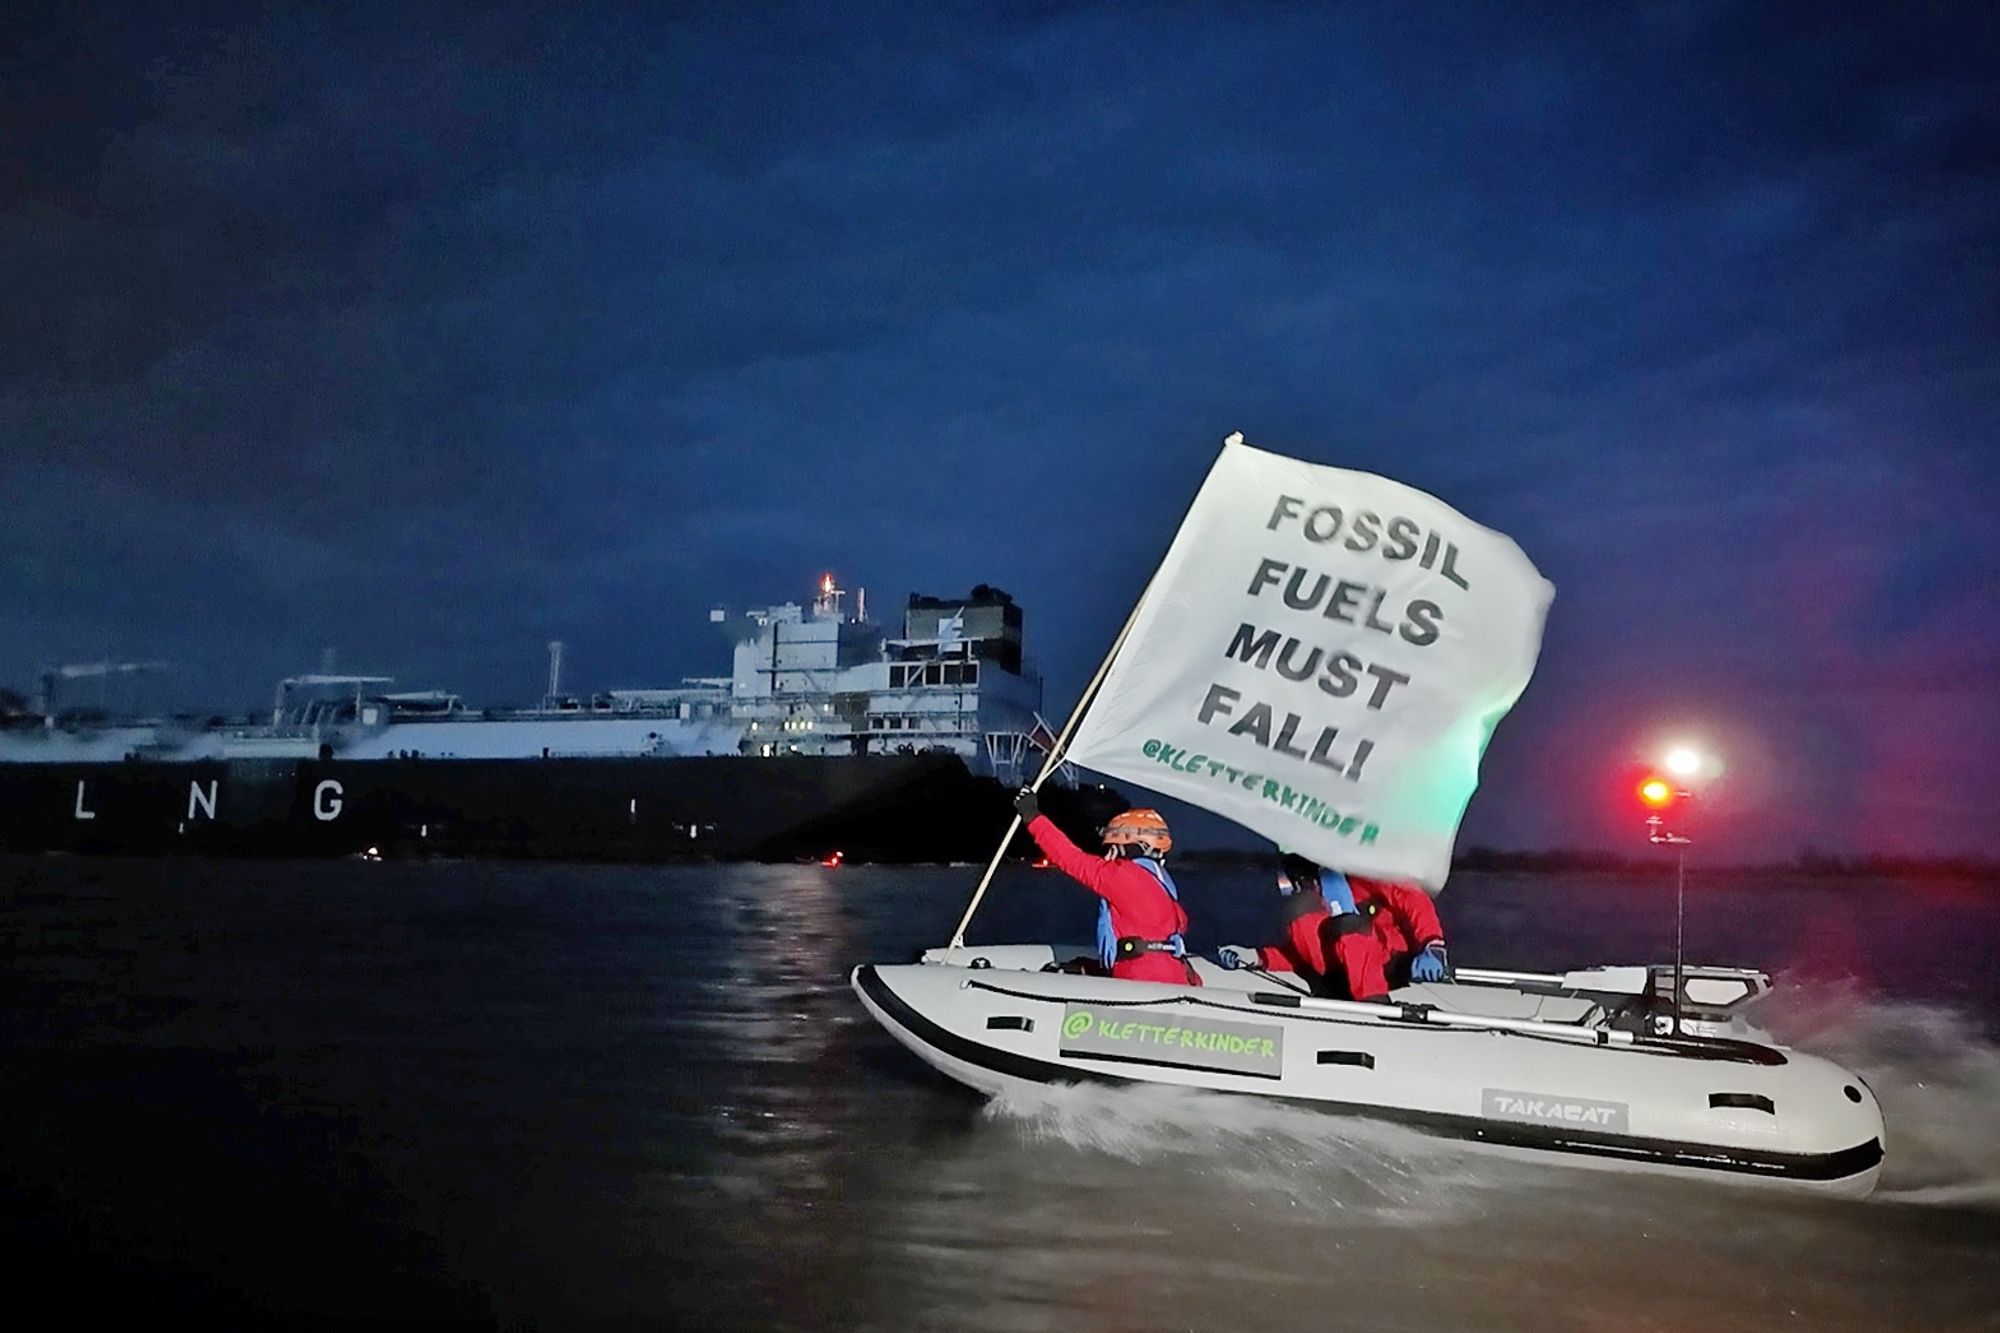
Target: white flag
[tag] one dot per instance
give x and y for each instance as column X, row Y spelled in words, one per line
column 1322, row 658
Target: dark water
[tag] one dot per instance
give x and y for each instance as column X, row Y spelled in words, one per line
column 517, row 1096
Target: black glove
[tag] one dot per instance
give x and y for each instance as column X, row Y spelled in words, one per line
column 1025, row 803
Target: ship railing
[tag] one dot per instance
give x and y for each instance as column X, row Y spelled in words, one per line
column 1012, row 757
column 278, row 733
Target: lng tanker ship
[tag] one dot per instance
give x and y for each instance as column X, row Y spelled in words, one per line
column 830, row 734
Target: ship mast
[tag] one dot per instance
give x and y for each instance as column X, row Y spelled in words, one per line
column 553, row 699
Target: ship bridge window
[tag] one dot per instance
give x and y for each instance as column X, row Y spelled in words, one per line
column 914, row 674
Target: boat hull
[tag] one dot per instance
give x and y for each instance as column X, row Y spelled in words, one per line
column 1721, row 1109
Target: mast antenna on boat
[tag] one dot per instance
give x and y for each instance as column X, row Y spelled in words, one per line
column 1662, row 795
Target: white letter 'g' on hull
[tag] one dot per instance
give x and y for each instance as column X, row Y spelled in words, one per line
column 326, row 800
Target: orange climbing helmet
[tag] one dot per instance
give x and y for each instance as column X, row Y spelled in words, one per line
column 1144, row 829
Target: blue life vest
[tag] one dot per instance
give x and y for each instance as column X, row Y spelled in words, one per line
column 1339, row 895
column 1107, row 939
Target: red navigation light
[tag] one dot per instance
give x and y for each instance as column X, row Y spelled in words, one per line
column 1656, row 793
column 833, row 859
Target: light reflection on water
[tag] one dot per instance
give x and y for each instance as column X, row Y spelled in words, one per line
column 578, row 1096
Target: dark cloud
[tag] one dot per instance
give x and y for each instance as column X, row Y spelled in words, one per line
column 432, row 335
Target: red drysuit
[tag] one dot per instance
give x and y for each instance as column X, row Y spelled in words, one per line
column 1402, row 916
column 1139, row 906
column 1357, row 971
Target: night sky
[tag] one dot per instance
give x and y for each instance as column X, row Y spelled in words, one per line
column 429, row 338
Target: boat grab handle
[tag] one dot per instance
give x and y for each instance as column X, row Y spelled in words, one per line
column 1747, row 1101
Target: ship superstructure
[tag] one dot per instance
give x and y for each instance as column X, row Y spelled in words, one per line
column 817, row 680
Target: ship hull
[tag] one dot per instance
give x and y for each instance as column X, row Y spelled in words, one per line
column 926, row 807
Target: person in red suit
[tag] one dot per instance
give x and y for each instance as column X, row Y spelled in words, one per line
column 1405, row 921
column 1141, row 928
column 1326, row 940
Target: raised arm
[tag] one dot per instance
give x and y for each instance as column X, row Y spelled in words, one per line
column 1093, row 872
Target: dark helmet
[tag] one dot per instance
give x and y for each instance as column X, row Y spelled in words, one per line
column 1297, row 874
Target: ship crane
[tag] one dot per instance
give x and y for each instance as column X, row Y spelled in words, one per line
column 103, row 671
column 321, row 680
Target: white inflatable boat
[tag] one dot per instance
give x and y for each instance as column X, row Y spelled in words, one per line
column 1582, row 1065
column 1242, row 647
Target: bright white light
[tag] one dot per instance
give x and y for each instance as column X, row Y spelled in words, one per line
column 1683, row 762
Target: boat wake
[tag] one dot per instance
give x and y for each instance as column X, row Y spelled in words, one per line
column 1933, row 1069
column 1301, row 1162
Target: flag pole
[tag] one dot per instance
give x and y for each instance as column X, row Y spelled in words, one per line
column 1049, row 765
column 1054, row 760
